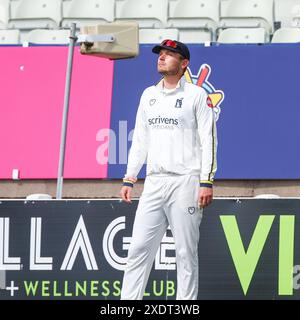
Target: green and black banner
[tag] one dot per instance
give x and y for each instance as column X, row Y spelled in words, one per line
column 76, row 250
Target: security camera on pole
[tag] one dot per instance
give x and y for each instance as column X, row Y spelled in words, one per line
column 112, row 41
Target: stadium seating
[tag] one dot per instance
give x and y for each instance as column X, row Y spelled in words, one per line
column 190, row 21
column 9, row 37
column 4, row 12
column 296, row 15
column 247, row 13
column 87, row 12
column 286, row 35
column 30, row 14
column 149, row 14
column 243, row 35
column 42, row 36
column 287, row 12
column 195, row 36
column 157, row 35
column 194, row 14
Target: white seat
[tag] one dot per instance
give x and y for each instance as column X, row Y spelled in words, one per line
column 45, row 36
column 157, row 35
column 9, row 37
column 243, row 35
column 87, row 12
column 149, row 14
column 4, row 13
column 194, row 14
column 286, row 35
column 287, row 12
column 194, row 36
column 31, row 14
column 296, row 16
column 247, row 13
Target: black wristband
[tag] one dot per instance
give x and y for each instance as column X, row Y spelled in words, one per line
column 128, row 184
column 206, row 185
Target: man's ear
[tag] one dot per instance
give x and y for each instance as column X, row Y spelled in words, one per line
column 185, row 63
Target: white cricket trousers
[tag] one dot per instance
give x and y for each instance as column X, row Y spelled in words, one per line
column 166, row 200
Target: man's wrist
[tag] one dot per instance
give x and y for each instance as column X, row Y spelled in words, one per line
column 206, row 184
column 129, row 182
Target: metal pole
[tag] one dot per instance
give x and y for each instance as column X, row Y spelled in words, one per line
column 73, row 40
column 2, row 279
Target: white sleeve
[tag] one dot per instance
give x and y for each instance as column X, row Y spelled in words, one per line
column 208, row 138
column 138, row 150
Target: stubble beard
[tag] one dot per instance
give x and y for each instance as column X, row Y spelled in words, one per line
column 174, row 72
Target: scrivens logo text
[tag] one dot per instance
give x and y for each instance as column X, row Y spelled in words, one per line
column 163, row 123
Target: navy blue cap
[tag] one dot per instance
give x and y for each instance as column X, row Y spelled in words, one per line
column 174, row 46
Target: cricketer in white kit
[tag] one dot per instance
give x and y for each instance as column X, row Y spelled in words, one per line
column 175, row 131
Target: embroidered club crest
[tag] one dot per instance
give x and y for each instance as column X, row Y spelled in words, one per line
column 191, row 210
column 178, row 103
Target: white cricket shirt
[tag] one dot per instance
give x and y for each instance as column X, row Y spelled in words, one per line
column 175, row 131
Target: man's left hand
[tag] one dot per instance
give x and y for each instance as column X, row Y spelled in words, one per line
column 205, row 197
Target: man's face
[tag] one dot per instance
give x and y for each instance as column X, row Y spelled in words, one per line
column 170, row 63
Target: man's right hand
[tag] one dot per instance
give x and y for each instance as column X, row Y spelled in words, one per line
column 126, row 193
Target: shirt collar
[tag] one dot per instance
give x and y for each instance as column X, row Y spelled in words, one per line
column 180, row 84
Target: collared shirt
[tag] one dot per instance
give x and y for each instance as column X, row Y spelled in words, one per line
column 175, row 131
column 161, row 86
